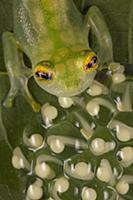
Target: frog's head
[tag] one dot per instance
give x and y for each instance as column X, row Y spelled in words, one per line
column 70, row 76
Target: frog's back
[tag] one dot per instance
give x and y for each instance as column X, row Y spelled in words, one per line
column 26, row 27
column 46, row 25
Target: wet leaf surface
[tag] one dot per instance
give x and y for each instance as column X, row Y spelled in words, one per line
column 14, row 120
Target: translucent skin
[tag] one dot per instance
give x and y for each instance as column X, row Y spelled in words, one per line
column 68, row 77
column 60, row 39
column 55, row 34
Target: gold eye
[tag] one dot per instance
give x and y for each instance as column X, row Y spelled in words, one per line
column 43, row 74
column 91, row 62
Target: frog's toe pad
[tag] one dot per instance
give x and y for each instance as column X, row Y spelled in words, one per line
column 36, row 106
column 8, row 103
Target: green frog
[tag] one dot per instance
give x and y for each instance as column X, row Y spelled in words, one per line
column 54, row 36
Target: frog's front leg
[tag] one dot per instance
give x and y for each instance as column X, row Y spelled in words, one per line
column 94, row 21
column 18, row 73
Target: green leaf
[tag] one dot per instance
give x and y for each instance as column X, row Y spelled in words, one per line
column 13, row 121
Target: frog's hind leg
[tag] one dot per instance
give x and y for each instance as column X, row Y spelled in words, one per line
column 18, row 73
column 94, row 21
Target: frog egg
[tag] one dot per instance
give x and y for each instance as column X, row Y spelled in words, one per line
column 65, row 102
column 18, row 159
column 49, row 112
column 57, row 146
column 93, row 108
column 98, row 146
column 38, row 183
column 125, row 156
column 104, row 171
column 118, row 78
column 122, row 187
column 42, row 170
column 34, row 192
column 123, row 134
column 18, row 162
column 62, row 185
column 94, row 90
column 88, row 194
column 36, row 140
column 82, row 169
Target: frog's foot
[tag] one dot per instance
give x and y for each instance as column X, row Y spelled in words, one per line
column 20, row 85
column 18, row 73
column 10, row 97
column 25, row 91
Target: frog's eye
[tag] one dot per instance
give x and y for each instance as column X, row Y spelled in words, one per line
column 91, row 62
column 43, row 74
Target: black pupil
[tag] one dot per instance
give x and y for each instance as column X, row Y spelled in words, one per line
column 44, row 75
column 89, row 65
column 94, row 59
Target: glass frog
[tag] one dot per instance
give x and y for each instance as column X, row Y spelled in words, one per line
column 54, row 36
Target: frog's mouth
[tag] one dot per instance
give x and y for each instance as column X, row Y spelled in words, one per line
column 65, row 86
column 69, row 92
column 61, row 90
